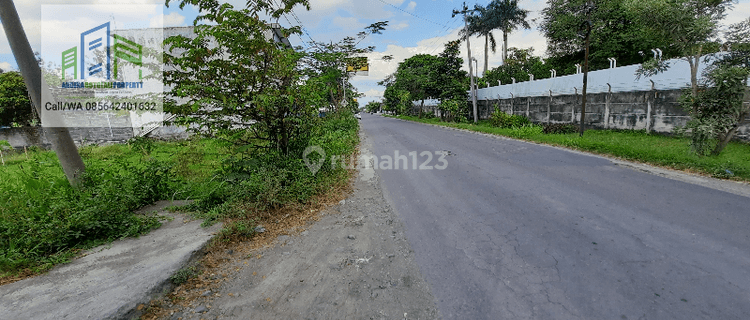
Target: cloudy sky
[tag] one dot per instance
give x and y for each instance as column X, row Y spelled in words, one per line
column 414, row 27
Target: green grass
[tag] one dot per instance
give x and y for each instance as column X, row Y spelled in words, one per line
column 270, row 181
column 651, row 148
column 44, row 221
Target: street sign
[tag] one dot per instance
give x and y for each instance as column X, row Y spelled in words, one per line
column 359, row 67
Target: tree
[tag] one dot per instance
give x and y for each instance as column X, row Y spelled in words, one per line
column 15, row 106
column 326, row 64
column 688, row 25
column 374, row 106
column 615, row 33
column 520, row 63
column 452, row 82
column 738, row 33
column 417, row 76
column 722, row 101
column 498, row 14
column 479, row 24
column 506, row 16
column 426, row 76
column 232, row 81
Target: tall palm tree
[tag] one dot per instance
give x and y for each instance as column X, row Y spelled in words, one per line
column 509, row 17
column 499, row 14
column 479, row 24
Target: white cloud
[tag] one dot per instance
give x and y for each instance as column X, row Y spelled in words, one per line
column 30, row 13
column 5, row 66
column 400, row 26
column 372, row 93
column 328, row 5
column 324, row 10
column 349, row 23
column 411, row 6
column 174, row 19
column 738, row 13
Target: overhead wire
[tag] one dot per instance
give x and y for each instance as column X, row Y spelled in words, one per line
column 301, row 25
column 442, row 31
column 413, row 15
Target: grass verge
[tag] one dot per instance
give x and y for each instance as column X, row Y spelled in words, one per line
column 634, row 145
column 45, row 222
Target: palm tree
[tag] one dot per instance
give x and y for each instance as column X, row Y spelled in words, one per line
column 511, row 17
column 499, row 14
column 479, row 24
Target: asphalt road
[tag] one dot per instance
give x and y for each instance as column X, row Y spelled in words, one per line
column 512, row 230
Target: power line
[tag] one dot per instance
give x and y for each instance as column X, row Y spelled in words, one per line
column 298, row 36
column 302, row 26
column 413, row 15
column 454, row 19
column 296, row 18
column 446, row 29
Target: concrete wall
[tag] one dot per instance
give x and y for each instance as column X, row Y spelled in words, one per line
column 616, row 98
column 34, row 136
column 654, row 110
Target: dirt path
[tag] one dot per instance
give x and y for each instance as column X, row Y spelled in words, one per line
column 354, row 263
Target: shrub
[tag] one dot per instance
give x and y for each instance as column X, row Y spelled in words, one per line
column 43, row 216
column 525, row 131
column 453, row 110
column 559, row 128
column 503, row 120
column 270, row 180
column 183, row 275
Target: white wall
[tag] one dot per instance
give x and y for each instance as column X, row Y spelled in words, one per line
column 622, row 79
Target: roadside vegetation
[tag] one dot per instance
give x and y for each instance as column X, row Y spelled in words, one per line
column 253, row 109
column 634, row 145
column 624, row 29
column 45, row 221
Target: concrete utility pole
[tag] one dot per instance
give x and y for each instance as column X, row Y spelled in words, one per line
column 465, row 10
column 59, row 137
column 585, row 77
column 471, row 72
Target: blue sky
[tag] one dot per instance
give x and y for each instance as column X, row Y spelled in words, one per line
column 415, row 26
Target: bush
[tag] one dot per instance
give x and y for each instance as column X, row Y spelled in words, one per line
column 270, row 180
column 526, row 131
column 453, row 110
column 43, row 218
column 501, row 119
column 559, row 128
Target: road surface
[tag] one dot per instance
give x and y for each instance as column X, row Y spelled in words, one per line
column 513, row 230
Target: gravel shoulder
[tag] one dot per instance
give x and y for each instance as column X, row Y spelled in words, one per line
column 353, row 263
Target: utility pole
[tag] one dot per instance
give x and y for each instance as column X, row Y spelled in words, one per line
column 464, row 12
column 587, row 25
column 585, row 78
column 59, row 137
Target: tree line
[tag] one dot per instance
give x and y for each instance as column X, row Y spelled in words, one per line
column 627, row 30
